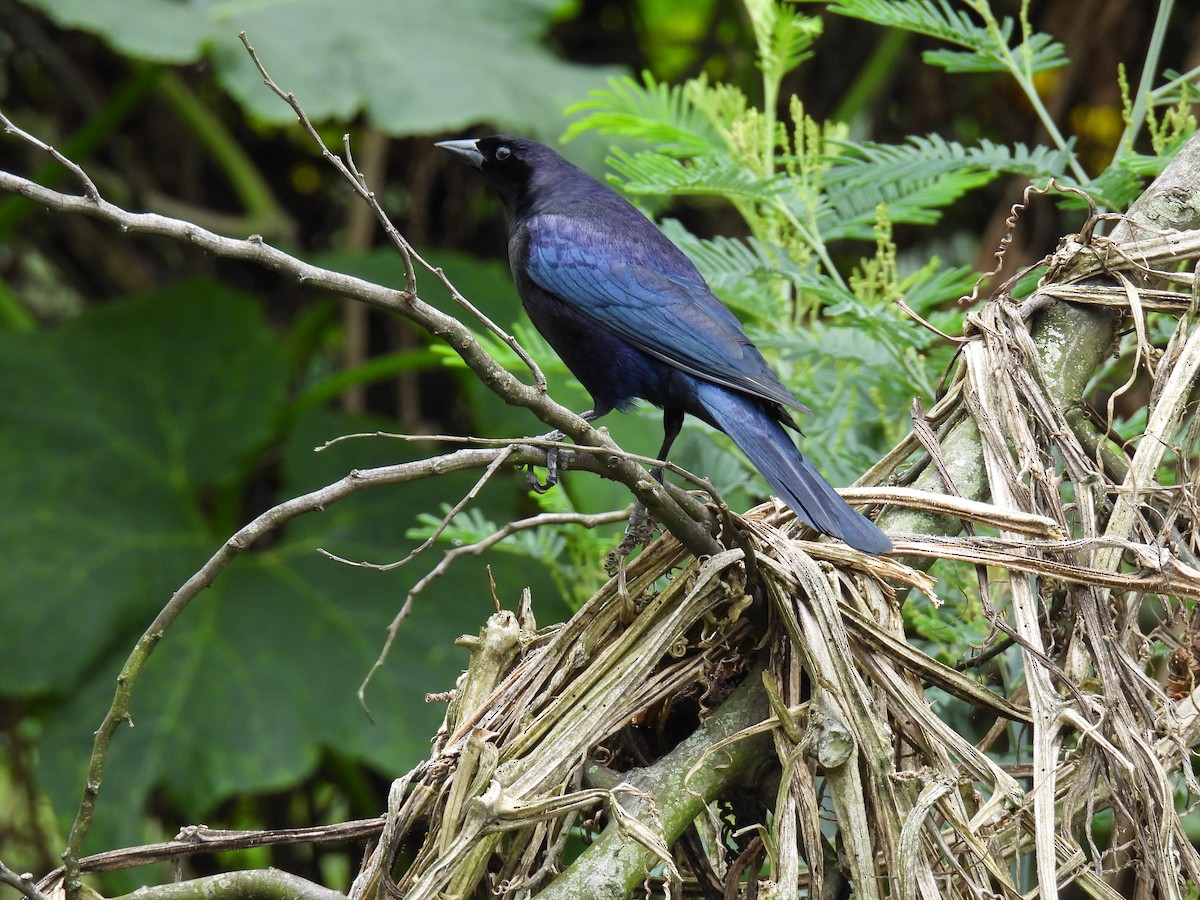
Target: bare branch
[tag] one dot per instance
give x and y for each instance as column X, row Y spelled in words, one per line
column 254, row 249
column 358, row 183
column 501, row 458
column 259, row 884
column 198, row 839
column 90, row 191
column 346, row 167
column 23, row 882
column 538, row 521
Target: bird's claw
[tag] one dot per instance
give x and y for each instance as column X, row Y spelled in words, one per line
column 638, row 531
column 640, row 528
column 536, row 484
column 552, row 454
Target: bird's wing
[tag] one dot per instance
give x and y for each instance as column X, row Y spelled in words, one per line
column 654, row 300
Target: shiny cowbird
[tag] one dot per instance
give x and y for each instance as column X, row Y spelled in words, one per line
column 632, row 318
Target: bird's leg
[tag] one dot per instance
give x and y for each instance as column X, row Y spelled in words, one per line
column 672, row 423
column 637, row 532
column 552, row 455
column 535, row 484
column 638, row 529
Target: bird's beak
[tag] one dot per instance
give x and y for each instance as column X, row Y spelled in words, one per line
column 465, row 150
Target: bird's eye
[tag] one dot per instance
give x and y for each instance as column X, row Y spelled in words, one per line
column 502, row 153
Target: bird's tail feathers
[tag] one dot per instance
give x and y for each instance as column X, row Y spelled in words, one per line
column 760, row 436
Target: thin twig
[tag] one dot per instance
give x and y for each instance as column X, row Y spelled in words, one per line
column 501, row 458
column 358, row 182
column 198, row 839
column 541, row 442
column 475, row 549
column 90, row 191
column 23, row 882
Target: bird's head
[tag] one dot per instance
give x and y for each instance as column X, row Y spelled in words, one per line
column 524, row 173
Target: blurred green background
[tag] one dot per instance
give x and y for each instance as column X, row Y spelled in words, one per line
column 154, row 399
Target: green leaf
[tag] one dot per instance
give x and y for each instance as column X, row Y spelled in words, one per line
column 989, row 51
column 916, row 179
column 1045, row 54
column 1116, row 187
column 850, row 214
column 147, row 29
column 132, row 436
column 116, row 425
column 783, row 37
column 1144, row 164
column 414, row 67
column 713, row 175
column 658, row 113
column 934, row 285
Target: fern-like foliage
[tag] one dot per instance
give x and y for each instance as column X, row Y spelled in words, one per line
column 784, row 38
column 988, row 42
column 1119, row 184
column 1041, row 50
column 923, row 157
column 930, row 288
column 716, row 175
column 1178, row 87
column 850, row 214
column 653, row 112
column 917, row 179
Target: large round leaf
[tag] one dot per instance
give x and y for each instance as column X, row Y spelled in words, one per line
column 413, row 66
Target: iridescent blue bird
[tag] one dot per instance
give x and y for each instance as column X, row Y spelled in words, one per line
column 632, row 318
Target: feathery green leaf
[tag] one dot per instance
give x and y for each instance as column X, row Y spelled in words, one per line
column 988, row 49
column 1044, row 53
column 713, row 175
column 916, row 179
column 658, row 113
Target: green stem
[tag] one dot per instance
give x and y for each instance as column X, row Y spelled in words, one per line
column 1149, row 70
column 1048, row 123
column 1023, row 75
column 866, row 86
column 770, row 98
column 1164, row 89
column 813, row 239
